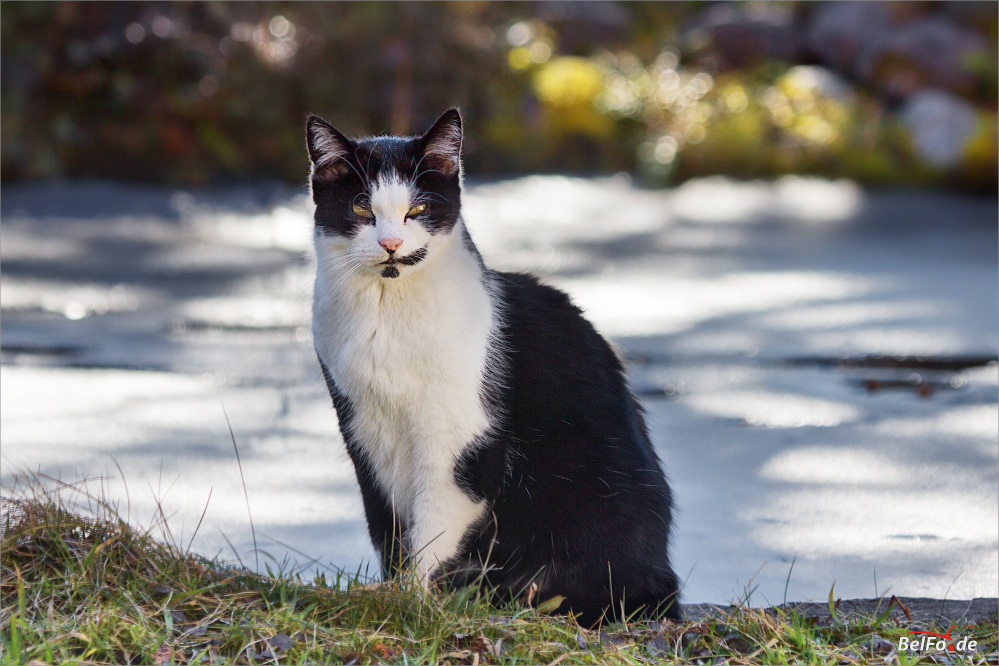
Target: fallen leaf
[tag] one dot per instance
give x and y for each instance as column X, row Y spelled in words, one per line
column 483, row 644
column 877, row 645
column 279, row 642
column 529, row 594
column 905, row 609
column 550, row 605
column 606, row 638
column 383, row 651
column 658, row 646
column 275, row 646
column 164, row 654
column 738, row 643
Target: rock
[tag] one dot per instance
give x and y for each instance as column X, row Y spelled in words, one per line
column 944, row 612
column 941, row 125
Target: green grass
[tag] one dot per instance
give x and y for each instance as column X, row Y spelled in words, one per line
column 80, row 585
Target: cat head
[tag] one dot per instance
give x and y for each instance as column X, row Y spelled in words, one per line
column 384, row 204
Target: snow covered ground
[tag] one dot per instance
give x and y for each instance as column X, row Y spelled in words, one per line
column 132, row 315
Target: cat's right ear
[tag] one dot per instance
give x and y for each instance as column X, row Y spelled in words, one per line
column 328, row 149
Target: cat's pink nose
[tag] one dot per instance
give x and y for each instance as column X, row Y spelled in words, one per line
column 390, row 244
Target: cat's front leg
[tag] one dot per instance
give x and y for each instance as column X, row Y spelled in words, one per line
column 454, row 498
column 442, row 515
column 387, row 531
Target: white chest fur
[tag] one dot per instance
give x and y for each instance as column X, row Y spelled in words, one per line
column 410, row 355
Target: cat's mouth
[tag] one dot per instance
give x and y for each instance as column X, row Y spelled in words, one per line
column 410, row 259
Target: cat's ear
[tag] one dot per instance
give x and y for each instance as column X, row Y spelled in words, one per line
column 442, row 143
column 328, row 149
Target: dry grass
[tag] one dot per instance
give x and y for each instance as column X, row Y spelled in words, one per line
column 80, row 585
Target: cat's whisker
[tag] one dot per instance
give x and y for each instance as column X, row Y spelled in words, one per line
column 431, row 196
column 416, row 169
column 359, row 174
column 367, row 167
column 365, row 177
column 340, row 278
column 430, row 171
column 334, row 268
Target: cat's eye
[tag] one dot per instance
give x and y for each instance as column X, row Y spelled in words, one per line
column 362, row 211
column 416, row 210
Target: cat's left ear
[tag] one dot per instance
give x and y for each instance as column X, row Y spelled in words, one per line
column 328, row 149
column 442, row 143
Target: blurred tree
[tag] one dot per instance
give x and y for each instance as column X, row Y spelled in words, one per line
column 208, row 92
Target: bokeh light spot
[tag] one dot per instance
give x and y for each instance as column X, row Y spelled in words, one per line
column 135, row 33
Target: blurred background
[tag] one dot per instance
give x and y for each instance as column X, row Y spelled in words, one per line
column 216, row 92
column 784, row 215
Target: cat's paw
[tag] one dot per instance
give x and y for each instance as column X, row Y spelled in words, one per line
column 427, row 575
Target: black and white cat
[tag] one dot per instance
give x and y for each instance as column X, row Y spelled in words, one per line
column 491, row 427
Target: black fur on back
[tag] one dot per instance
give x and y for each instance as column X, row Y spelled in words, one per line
column 578, row 499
